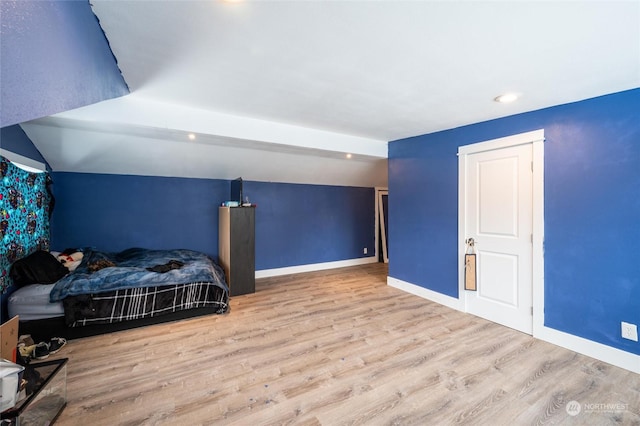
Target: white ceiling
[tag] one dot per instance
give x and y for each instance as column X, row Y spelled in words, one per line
column 281, row 91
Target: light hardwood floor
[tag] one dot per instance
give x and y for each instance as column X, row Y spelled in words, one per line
column 338, row 347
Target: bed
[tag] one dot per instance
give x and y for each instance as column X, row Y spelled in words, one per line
column 114, row 291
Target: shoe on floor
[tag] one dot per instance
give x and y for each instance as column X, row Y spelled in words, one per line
column 26, row 351
column 26, row 340
column 56, row 343
column 41, row 351
column 21, row 359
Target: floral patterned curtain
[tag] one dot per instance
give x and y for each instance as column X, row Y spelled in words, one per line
column 25, row 209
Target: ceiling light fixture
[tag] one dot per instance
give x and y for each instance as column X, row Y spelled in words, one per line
column 506, row 98
column 348, row 155
column 192, row 137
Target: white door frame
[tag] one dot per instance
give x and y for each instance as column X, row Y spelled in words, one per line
column 379, row 192
column 536, row 138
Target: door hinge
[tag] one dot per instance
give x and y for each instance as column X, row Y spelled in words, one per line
column 532, row 166
column 532, row 311
column 531, row 238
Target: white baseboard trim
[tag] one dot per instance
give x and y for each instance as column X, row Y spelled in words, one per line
column 583, row 346
column 265, row 273
column 434, row 296
column 604, row 353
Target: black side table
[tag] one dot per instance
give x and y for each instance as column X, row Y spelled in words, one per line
column 46, row 395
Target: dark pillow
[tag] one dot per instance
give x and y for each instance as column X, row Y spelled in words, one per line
column 39, row 267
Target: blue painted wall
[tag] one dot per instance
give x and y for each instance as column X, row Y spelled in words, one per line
column 423, row 202
column 592, row 211
column 14, row 139
column 115, row 212
column 305, row 224
column 295, row 224
column 55, row 57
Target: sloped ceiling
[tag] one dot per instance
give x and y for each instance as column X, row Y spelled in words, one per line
column 283, row 91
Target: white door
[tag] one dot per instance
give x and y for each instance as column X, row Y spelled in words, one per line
column 498, row 203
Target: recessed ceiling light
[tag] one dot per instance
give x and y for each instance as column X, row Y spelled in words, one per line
column 506, row 98
column 348, row 155
column 191, row 136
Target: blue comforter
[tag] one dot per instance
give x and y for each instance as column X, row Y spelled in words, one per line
column 130, row 271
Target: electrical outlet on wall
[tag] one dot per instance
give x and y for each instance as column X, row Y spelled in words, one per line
column 365, row 250
column 629, row 331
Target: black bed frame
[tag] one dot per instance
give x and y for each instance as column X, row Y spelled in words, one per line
column 44, row 329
